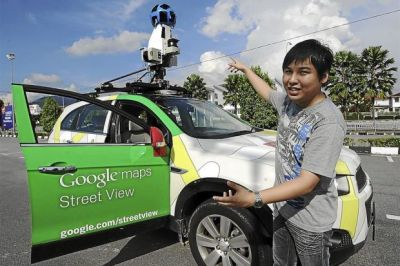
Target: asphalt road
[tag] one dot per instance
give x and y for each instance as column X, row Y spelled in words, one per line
column 161, row 247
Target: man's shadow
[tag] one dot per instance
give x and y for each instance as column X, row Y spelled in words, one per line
column 143, row 244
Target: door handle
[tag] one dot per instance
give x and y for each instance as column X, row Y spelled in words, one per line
column 57, row 169
column 178, row 170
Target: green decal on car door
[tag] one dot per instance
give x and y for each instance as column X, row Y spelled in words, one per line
column 82, row 188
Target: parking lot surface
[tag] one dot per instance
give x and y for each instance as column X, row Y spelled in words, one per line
column 161, row 247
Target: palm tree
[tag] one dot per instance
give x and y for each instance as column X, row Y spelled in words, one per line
column 378, row 74
column 345, row 80
column 196, row 87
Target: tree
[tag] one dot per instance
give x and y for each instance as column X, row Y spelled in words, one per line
column 254, row 109
column 196, row 87
column 231, row 96
column 377, row 73
column 345, row 81
column 50, row 113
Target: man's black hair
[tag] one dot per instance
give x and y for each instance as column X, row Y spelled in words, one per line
column 320, row 55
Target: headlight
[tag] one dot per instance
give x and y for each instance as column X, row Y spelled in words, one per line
column 342, row 185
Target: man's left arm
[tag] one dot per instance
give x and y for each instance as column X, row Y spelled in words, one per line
column 320, row 156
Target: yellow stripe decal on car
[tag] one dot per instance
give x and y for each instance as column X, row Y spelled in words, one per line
column 77, row 137
column 341, row 168
column 112, row 97
column 350, row 209
column 269, row 132
column 57, row 131
column 180, row 157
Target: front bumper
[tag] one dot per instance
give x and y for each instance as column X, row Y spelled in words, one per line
column 342, row 243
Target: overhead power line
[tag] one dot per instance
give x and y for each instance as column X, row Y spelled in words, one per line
column 289, row 39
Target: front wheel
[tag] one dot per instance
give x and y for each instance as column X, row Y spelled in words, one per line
column 220, row 235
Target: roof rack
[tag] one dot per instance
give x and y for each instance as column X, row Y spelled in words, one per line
column 141, row 88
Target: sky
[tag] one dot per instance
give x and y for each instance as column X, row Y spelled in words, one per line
column 78, row 44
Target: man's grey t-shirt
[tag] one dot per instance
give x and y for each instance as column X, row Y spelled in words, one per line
column 308, row 139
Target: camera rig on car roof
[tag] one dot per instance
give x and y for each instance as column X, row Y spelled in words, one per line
column 161, row 53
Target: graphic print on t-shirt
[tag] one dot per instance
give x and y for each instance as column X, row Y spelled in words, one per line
column 291, row 147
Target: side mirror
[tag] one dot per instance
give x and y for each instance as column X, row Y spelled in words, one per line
column 158, row 142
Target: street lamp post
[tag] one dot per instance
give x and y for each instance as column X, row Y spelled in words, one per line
column 11, row 57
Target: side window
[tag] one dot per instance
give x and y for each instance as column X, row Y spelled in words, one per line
column 65, row 119
column 133, row 133
column 69, row 121
column 126, row 131
column 92, row 119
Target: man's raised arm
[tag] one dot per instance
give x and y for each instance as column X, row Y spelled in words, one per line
column 261, row 87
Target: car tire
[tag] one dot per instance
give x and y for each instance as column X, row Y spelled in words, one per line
column 221, row 235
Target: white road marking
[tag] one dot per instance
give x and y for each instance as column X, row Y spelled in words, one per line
column 389, row 159
column 393, row 217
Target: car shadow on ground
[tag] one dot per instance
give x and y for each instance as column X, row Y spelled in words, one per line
column 143, row 244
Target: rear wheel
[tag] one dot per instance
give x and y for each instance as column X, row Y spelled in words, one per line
column 220, row 235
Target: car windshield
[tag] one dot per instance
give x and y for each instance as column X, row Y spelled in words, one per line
column 202, row 119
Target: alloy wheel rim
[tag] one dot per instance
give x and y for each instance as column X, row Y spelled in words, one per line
column 221, row 241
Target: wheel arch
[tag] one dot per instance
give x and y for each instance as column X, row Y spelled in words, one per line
column 203, row 189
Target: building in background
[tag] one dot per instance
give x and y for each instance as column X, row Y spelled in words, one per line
column 391, row 104
column 35, row 109
column 216, row 95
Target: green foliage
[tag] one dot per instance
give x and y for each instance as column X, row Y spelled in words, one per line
column 49, row 115
column 384, row 142
column 196, row 87
column 232, row 96
column 373, row 142
column 254, row 109
column 345, row 86
column 357, row 80
column 377, row 73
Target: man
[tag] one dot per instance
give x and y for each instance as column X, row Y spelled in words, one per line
column 310, row 136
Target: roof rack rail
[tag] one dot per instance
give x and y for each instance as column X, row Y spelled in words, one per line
column 140, row 87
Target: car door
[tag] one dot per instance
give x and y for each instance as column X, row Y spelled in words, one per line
column 85, row 187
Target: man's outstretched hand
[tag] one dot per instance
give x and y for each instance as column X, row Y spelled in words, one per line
column 241, row 198
column 236, row 66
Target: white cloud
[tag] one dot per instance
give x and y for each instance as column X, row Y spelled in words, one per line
column 116, row 14
column 42, row 79
column 222, row 19
column 6, row 98
column 213, row 71
column 124, row 42
column 50, row 80
column 266, row 24
column 129, row 8
column 70, row 87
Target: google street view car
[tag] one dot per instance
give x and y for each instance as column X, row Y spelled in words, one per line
column 136, row 158
column 145, row 156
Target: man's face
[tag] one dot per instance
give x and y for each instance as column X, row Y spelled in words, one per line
column 302, row 82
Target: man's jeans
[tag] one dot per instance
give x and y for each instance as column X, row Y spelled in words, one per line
column 291, row 242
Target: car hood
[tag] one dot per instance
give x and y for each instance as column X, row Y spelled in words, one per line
column 250, row 147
